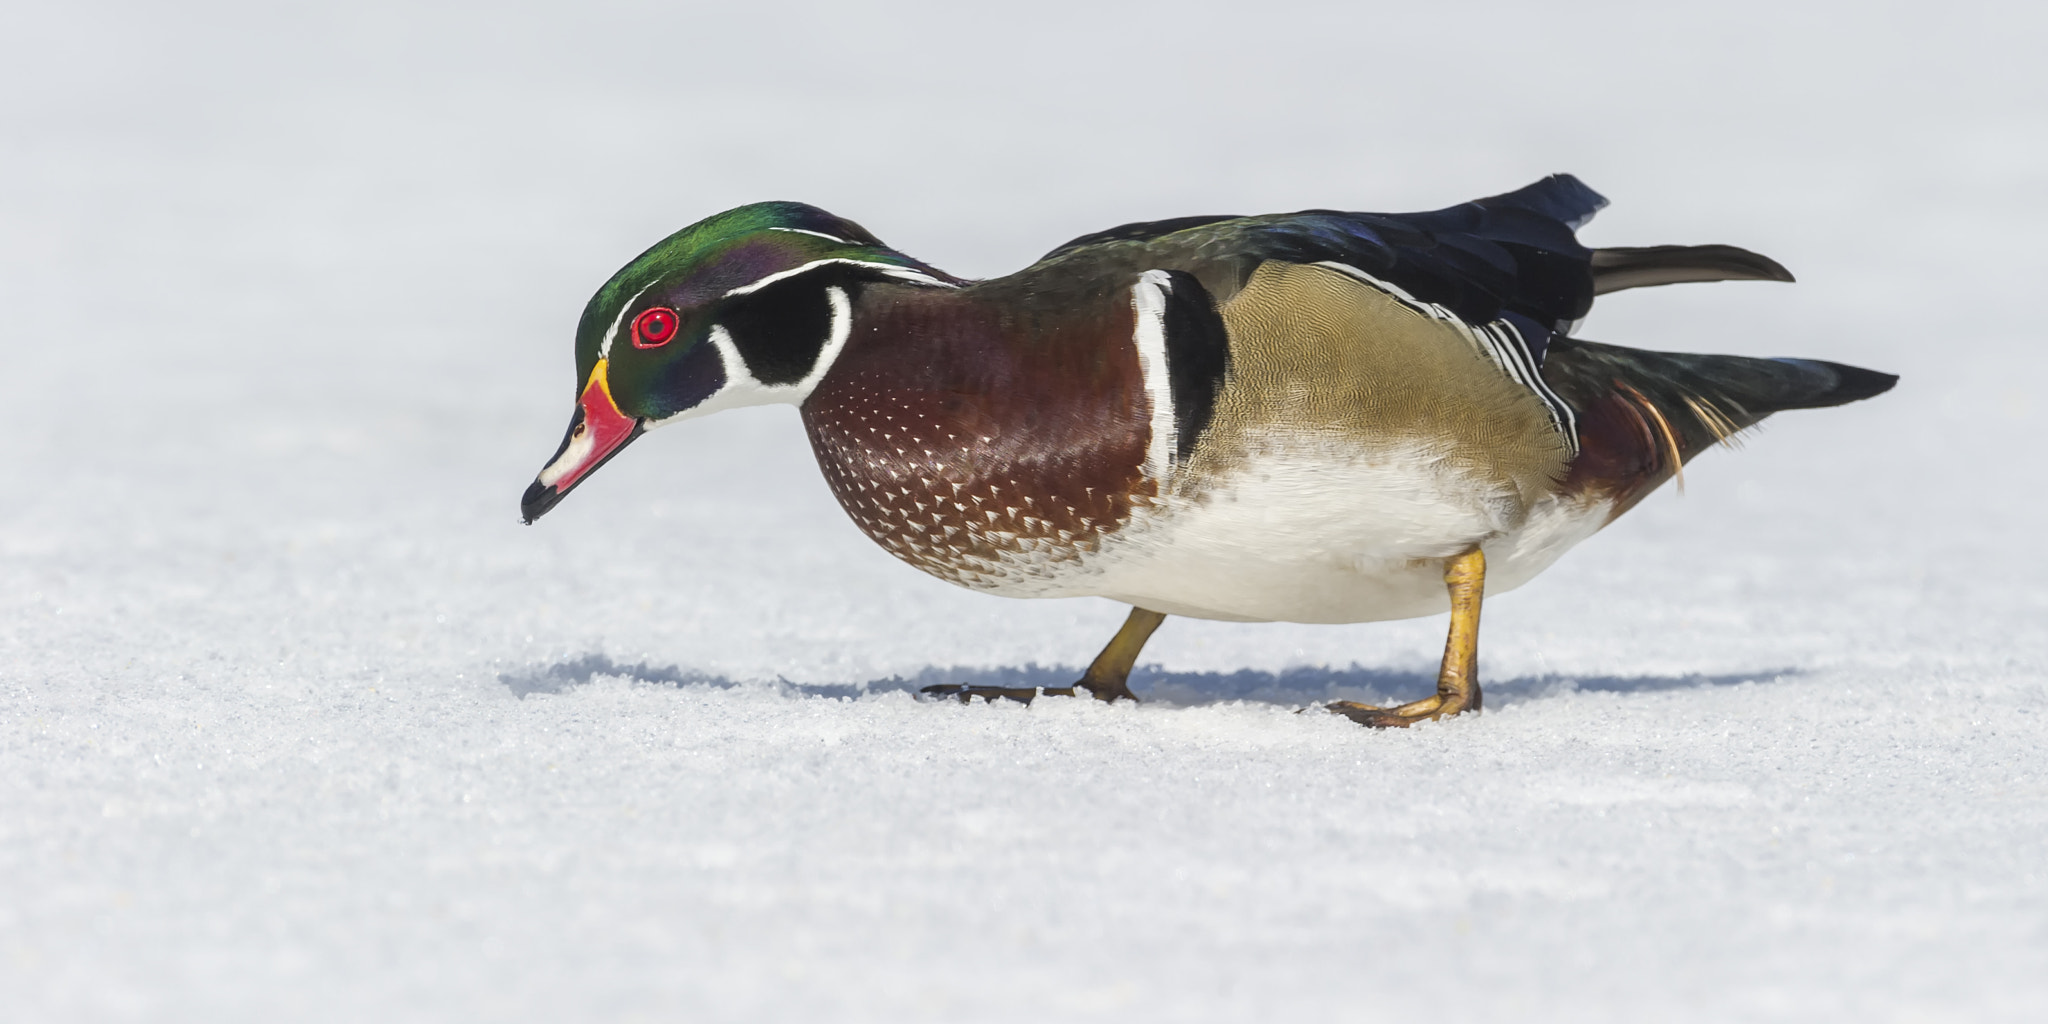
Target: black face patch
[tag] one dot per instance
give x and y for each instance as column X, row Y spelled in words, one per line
column 686, row 382
column 781, row 329
column 1197, row 358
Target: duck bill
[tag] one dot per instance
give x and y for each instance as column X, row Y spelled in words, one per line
column 597, row 432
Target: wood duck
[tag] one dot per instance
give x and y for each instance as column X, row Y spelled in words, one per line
column 1307, row 417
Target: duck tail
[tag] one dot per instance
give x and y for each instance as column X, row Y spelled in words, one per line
column 1644, row 266
column 1642, row 415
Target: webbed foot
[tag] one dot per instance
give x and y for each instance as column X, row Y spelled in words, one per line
column 1107, row 678
column 1457, row 682
column 1428, row 709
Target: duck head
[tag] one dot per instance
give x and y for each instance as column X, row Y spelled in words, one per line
column 745, row 308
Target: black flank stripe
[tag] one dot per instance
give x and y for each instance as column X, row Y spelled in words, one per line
column 780, row 329
column 1197, row 357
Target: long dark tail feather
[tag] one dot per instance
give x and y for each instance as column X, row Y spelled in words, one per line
column 1619, row 268
column 1643, row 414
column 1849, row 383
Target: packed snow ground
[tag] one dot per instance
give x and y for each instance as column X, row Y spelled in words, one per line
column 298, row 723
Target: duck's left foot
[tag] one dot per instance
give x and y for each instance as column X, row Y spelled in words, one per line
column 1107, row 679
column 1108, row 676
column 1457, row 682
column 966, row 692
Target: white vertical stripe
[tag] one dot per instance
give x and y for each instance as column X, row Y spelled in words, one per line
column 1148, row 299
column 842, row 328
column 729, row 358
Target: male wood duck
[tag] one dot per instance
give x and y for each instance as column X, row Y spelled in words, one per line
column 1305, row 417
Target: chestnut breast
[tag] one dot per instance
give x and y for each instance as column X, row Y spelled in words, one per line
column 989, row 441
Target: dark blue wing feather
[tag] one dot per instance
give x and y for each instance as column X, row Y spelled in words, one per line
column 1510, row 253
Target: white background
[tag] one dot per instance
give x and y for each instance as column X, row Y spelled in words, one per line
column 298, row 722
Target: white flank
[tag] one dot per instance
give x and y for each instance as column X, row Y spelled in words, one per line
column 1148, row 299
column 1320, row 532
column 1317, row 533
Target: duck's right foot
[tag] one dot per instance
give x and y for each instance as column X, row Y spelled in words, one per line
column 1428, row 709
column 1457, row 682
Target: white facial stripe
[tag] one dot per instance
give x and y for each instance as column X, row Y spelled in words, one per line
column 729, row 358
column 842, row 329
column 820, row 234
column 742, row 388
column 900, row 273
column 604, row 348
column 1498, row 341
column 1148, row 299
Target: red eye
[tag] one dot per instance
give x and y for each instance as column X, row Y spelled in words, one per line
column 654, row 328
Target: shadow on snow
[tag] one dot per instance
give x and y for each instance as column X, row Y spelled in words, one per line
column 1294, row 686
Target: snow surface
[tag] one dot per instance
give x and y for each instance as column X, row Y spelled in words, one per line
column 298, row 723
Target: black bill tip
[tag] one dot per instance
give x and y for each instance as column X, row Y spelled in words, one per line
column 537, row 500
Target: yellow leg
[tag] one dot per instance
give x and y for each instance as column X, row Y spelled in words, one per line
column 1457, row 682
column 1107, row 678
column 1109, row 675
